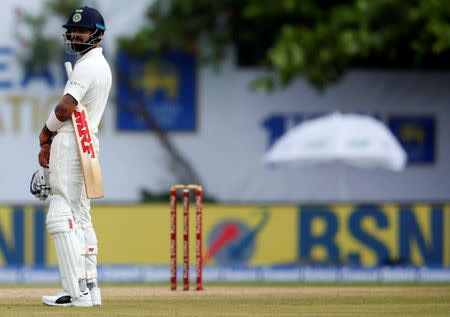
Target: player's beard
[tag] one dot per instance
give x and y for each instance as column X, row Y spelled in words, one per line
column 80, row 47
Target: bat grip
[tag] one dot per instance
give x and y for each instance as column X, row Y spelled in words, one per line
column 68, row 67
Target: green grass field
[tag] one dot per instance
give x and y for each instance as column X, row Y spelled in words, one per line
column 238, row 300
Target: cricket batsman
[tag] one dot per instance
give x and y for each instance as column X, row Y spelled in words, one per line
column 60, row 176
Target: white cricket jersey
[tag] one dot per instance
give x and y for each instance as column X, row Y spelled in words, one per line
column 90, row 83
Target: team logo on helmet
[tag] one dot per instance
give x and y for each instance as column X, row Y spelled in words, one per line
column 76, row 17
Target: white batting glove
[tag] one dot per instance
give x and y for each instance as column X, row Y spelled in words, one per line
column 40, row 185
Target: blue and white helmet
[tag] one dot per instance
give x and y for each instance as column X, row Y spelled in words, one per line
column 88, row 18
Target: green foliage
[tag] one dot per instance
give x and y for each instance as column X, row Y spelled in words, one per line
column 62, row 8
column 316, row 39
column 38, row 50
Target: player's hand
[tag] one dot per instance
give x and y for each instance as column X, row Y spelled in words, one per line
column 40, row 185
column 44, row 155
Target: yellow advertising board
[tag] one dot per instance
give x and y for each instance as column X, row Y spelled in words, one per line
column 140, row 234
column 372, row 235
column 357, row 234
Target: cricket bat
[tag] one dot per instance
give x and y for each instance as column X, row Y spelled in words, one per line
column 90, row 165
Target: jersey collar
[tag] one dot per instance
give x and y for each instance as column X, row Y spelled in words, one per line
column 92, row 52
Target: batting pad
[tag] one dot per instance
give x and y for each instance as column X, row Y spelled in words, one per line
column 90, row 253
column 67, row 251
column 79, row 231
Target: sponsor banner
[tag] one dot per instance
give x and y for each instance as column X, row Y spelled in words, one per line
column 251, row 235
column 165, row 86
column 232, row 234
column 22, row 236
column 319, row 274
column 417, row 135
column 398, row 274
column 160, row 274
column 373, row 235
column 359, row 274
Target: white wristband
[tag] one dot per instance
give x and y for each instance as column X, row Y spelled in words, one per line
column 53, row 123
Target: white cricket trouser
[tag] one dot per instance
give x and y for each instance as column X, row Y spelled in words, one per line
column 66, row 178
column 66, row 181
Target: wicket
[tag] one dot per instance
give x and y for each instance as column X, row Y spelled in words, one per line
column 173, row 235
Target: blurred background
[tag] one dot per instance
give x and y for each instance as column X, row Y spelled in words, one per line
column 202, row 90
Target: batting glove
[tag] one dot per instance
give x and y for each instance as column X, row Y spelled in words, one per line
column 40, row 185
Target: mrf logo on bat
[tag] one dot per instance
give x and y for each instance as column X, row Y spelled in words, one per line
column 83, row 133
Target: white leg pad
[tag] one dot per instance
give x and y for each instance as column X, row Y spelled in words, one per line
column 80, row 235
column 60, row 225
column 90, row 253
column 69, row 262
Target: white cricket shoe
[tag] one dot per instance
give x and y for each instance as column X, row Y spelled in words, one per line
column 96, row 296
column 61, row 299
column 83, row 301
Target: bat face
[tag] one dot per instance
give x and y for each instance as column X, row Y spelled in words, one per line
column 90, row 163
column 84, row 133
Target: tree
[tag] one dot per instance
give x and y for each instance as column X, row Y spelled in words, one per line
column 39, row 50
column 317, row 39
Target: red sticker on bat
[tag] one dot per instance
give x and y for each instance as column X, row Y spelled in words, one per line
column 83, row 133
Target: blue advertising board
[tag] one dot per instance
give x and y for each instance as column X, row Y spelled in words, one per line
column 160, row 87
column 417, row 135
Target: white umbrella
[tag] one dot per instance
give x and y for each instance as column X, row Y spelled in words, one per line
column 354, row 139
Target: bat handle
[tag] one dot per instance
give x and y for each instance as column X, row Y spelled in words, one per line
column 68, row 66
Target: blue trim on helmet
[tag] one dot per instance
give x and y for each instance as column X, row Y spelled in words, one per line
column 101, row 27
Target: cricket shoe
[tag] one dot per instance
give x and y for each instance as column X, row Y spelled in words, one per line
column 84, row 300
column 63, row 299
column 96, row 296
